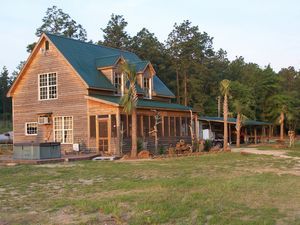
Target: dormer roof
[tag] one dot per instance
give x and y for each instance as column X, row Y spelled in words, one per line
column 107, row 61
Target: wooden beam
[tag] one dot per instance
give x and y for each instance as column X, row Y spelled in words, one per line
column 118, row 124
column 255, row 135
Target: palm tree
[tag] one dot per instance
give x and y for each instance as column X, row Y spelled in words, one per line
column 281, row 122
column 224, row 88
column 240, row 118
column 278, row 106
column 129, row 102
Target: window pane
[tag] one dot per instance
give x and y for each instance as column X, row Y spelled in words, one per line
column 43, row 93
column 124, row 124
column 52, row 92
column 68, row 136
column 67, row 122
column 43, row 80
column 57, row 123
column 58, row 136
column 52, row 78
column 147, row 87
column 118, row 82
column 146, row 126
column 31, row 128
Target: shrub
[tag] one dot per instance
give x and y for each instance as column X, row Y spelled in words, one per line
column 162, row 150
column 208, row 145
column 140, row 144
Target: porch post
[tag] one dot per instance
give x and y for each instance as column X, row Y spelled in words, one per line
column 246, row 136
column 255, row 135
column 263, row 136
column 197, row 131
column 119, row 141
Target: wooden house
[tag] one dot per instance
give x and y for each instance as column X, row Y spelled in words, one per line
column 69, row 92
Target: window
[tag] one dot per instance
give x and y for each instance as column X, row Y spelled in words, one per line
column 93, row 126
column 114, row 129
column 146, row 126
column 184, row 126
column 46, row 45
column 166, row 126
column 124, row 124
column 139, row 126
column 118, row 83
column 63, row 129
column 47, row 86
column 147, row 87
column 31, row 128
column 172, row 128
column 177, row 126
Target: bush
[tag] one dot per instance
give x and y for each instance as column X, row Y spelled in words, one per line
column 208, row 145
column 162, row 150
column 140, row 143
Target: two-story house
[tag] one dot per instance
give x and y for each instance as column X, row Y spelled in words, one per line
column 69, row 92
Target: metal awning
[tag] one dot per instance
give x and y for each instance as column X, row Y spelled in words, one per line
column 233, row 121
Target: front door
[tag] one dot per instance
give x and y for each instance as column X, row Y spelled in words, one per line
column 103, row 136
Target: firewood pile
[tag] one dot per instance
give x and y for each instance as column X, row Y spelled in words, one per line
column 180, row 148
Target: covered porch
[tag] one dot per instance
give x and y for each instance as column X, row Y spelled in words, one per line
column 110, row 128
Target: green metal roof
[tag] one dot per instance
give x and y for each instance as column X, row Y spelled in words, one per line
column 161, row 89
column 141, row 65
column 86, row 57
column 233, row 120
column 82, row 56
column 107, row 61
column 143, row 103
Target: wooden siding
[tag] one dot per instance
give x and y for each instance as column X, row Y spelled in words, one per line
column 108, row 72
column 70, row 99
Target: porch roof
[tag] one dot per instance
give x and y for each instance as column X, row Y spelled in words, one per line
column 233, row 121
column 143, row 103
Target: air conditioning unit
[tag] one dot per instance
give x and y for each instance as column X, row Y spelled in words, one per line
column 44, row 120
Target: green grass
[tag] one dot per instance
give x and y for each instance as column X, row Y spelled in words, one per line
column 226, row 188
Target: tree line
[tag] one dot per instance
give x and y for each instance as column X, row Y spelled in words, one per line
column 191, row 67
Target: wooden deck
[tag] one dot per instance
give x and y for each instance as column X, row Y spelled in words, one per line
column 7, row 159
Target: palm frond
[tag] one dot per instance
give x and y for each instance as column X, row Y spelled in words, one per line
column 225, row 87
column 130, row 99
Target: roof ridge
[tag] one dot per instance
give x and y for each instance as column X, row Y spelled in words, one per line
column 97, row 45
column 140, row 61
column 108, row 56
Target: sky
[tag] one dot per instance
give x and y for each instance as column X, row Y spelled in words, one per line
column 262, row 31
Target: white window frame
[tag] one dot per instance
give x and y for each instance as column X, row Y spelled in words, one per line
column 63, row 129
column 26, row 131
column 122, row 83
column 48, row 86
column 150, row 87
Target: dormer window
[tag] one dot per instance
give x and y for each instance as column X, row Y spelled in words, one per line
column 147, row 87
column 118, row 83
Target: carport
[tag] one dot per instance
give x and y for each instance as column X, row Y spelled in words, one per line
column 252, row 131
